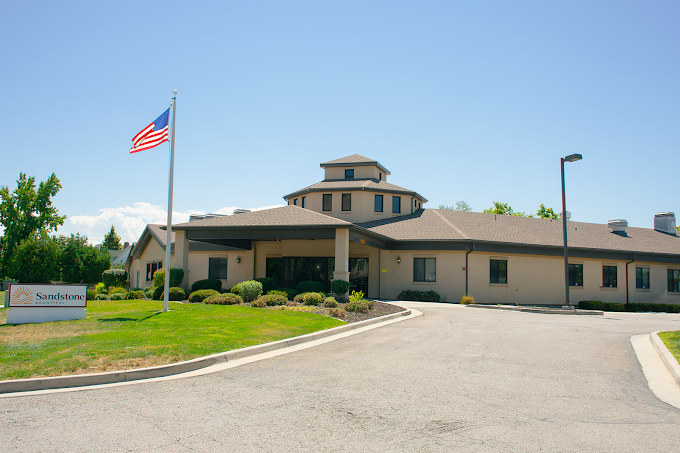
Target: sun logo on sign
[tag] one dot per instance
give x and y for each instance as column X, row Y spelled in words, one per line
column 23, row 296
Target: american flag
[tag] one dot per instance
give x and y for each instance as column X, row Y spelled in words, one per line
column 152, row 135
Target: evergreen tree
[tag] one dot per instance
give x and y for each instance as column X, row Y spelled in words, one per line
column 112, row 240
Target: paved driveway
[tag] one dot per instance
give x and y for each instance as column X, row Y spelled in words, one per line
column 455, row 379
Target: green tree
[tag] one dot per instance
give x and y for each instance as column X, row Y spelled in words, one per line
column 546, row 213
column 35, row 259
column 26, row 211
column 504, row 209
column 112, row 240
column 82, row 262
column 460, row 206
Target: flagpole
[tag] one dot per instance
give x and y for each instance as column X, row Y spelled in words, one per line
column 168, row 241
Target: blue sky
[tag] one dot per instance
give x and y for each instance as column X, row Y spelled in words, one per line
column 460, row 100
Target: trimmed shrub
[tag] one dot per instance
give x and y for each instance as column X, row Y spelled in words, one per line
column 467, row 300
column 340, row 288
column 356, row 296
column 290, row 291
column 309, row 287
column 113, row 277
column 313, row 298
column 101, row 297
column 338, row 313
column 176, row 293
column 117, row 296
column 259, row 303
column 223, row 299
column 299, row 298
column 358, row 306
column 158, row 292
column 149, row 292
column 91, row 294
column 116, row 289
column 330, row 302
column 421, row 296
column 273, row 299
column 100, row 288
column 248, row 290
column 268, row 284
column 176, row 277
column 136, row 294
column 278, row 293
column 208, row 283
column 201, row 294
column 631, row 307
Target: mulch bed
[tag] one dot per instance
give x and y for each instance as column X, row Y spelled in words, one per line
column 379, row 309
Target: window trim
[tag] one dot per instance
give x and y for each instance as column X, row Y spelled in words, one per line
column 349, row 197
column 395, row 198
column 382, row 204
column 349, row 173
column 304, row 202
column 295, row 202
column 649, row 275
column 575, row 285
column 149, row 268
column 676, row 279
column 498, row 271
column 425, row 258
column 226, row 266
column 616, row 276
column 323, row 202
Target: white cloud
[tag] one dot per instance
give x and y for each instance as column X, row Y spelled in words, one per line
column 129, row 221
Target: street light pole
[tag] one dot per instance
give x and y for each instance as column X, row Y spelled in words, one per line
column 570, row 158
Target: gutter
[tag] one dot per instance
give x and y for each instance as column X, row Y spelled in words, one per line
column 472, row 247
column 627, row 287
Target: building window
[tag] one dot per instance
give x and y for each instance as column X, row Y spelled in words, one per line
column 151, row 268
column 498, row 271
column 304, row 202
column 576, row 275
column 674, row 280
column 295, row 202
column 380, row 177
column 424, row 269
column 642, row 277
column 378, row 203
column 327, row 202
column 349, row 173
column 609, row 276
column 346, row 201
column 217, row 268
column 396, row 205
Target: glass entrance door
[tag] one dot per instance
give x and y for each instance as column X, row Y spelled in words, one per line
column 358, row 275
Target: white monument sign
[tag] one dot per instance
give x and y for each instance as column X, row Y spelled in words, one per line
column 28, row 302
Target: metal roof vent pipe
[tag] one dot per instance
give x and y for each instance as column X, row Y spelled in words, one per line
column 665, row 222
column 618, row 226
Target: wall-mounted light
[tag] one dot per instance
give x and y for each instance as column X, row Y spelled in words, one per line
column 238, row 259
column 398, row 260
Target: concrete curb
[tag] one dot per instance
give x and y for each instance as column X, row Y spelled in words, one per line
column 552, row 311
column 667, row 358
column 83, row 380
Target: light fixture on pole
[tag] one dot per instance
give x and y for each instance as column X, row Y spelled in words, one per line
column 570, row 158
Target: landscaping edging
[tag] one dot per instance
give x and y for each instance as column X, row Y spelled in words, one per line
column 667, row 358
column 547, row 310
column 111, row 377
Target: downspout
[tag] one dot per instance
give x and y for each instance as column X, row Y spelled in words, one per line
column 472, row 247
column 627, row 296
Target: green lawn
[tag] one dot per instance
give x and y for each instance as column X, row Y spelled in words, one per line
column 672, row 342
column 132, row 334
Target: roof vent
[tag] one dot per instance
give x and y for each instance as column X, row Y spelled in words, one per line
column 618, row 226
column 665, row 222
column 194, row 217
column 241, row 211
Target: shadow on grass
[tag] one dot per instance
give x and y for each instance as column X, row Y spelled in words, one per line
column 129, row 319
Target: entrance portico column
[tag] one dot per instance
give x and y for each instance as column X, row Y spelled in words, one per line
column 182, row 256
column 341, row 254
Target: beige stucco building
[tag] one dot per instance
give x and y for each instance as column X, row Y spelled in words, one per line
column 356, row 226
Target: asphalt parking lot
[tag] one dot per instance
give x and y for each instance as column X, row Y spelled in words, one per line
column 454, row 379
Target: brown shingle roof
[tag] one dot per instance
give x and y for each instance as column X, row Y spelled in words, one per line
column 160, row 234
column 355, row 184
column 286, row 216
column 437, row 225
column 354, row 160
